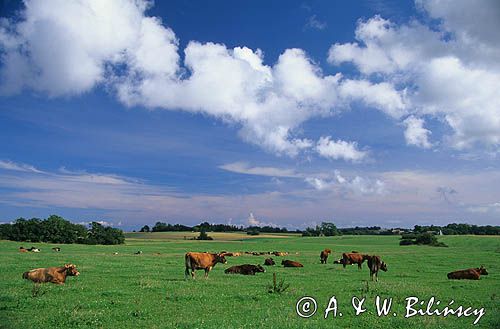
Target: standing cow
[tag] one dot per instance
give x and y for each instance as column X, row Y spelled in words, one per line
column 375, row 264
column 323, row 256
column 202, row 260
column 353, row 258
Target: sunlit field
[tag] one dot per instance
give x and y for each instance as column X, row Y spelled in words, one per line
column 149, row 290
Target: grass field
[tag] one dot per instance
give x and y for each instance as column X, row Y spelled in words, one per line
column 149, row 290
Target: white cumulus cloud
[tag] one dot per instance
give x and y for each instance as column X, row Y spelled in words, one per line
column 450, row 72
column 416, row 134
column 339, row 149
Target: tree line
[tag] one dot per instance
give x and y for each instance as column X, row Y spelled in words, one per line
column 207, row 227
column 459, row 229
column 56, row 229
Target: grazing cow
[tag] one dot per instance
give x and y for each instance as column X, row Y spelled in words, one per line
column 375, row 264
column 468, row 274
column 245, row 269
column 33, row 249
column 202, row 260
column 323, row 257
column 291, row 263
column 269, row 262
column 56, row 249
column 51, row 274
column 353, row 258
column 22, row 249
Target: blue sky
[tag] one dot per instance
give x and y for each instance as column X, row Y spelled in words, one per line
column 367, row 113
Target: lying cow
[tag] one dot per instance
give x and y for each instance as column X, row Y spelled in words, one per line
column 231, row 254
column 57, row 249
column 353, row 258
column 269, row 262
column 202, row 260
column 375, row 264
column 280, row 253
column 291, row 263
column 55, row 275
column 468, row 274
column 245, row 269
column 323, row 256
column 139, row 252
column 22, row 249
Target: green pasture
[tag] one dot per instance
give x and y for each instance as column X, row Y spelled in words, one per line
column 149, row 290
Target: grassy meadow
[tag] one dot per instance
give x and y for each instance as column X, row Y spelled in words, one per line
column 149, row 290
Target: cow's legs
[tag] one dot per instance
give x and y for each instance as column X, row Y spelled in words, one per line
column 186, row 273
column 359, row 266
column 207, row 270
column 192, row 273
column 376, row 276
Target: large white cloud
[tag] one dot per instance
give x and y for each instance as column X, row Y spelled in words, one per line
column 65, row 48
column 451, row 73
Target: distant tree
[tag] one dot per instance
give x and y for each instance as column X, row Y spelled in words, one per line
column 204, row 236
column 99, row 234
column 426, row 238
column 145, row 228
column 329, row 229
column 253, row 231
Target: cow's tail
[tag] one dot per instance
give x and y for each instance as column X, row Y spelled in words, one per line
column 188, row 266
column 26, row 275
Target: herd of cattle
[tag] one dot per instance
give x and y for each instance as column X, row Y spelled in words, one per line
column 206, row 261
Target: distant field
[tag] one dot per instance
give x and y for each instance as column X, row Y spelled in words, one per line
column 231, row 236
column 149, row 290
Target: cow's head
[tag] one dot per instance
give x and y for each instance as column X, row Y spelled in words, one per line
column 482, row 271
column 220, row 258
column 383, row 267
column 71, row 270
column 328, row 251
column 260, row 269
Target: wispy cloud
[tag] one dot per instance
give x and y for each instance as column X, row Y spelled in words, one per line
column 9, row 165
column 314, row 23
column 245, row 168
column 409, row 196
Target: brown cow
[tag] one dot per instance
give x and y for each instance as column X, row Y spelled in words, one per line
column 353, row 258
column 51, row 274
column 375, row 264
column 245, row 269
column 269, row 262
column 22, row 249
column 323, row 257
column 468, row 274
column 291, row 263
column 202, row 260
